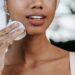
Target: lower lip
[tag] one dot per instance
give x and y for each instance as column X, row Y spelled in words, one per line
column 36, row 22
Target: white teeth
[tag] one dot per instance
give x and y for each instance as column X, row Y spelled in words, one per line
column 36, row 17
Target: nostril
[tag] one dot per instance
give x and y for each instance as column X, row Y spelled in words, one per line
column 33, row 7
column 37, row 7
column 41, row 7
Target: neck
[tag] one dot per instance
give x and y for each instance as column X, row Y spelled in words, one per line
column 36, row 47
column 35, row 44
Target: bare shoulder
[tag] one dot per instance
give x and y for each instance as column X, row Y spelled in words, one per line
column 59, row 52
column 12, row 69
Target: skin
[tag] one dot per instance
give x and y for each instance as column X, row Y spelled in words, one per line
column 34, row 55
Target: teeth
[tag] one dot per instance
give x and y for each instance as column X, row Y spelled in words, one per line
column 36, row 17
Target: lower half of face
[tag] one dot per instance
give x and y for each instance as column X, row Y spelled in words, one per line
column 36, row 21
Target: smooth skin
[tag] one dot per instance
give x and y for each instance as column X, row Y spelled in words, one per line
column 33, row 55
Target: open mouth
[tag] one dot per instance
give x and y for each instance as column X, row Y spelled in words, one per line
column 36, row 19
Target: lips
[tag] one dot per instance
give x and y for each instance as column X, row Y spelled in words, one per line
column 36, row 20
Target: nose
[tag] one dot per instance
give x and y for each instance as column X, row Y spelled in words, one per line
column 37, row 4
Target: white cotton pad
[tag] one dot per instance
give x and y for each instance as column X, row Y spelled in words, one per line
column 21, row 36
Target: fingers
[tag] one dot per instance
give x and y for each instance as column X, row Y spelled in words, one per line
column 8, row 29
column 11, row 37
column 9, row 34
column 16, row 33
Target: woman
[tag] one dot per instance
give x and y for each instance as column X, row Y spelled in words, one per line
column 33, row 55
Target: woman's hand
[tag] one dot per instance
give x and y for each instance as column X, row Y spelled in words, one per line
column 7, row 37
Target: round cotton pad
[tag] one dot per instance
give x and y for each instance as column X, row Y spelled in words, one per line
column 21, row 36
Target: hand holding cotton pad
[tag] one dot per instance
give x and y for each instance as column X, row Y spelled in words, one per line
column 21, row 36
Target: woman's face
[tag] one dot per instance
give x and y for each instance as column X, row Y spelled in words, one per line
column 36, row 15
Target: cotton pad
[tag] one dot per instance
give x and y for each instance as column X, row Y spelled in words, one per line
column 21, row 36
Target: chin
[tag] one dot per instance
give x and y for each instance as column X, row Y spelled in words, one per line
column 35, row 32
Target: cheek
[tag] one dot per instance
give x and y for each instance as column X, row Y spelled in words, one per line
column 16, row 6
column 19, row 5
column 15, row 9
column 51, row 8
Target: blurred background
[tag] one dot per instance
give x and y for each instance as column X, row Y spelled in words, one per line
column 61, row 32
column 2, row 15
